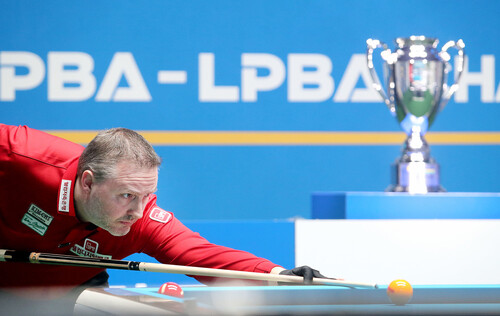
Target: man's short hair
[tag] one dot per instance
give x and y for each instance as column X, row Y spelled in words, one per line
column 113, row 146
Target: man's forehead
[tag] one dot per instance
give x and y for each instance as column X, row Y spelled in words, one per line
column 125, row 185
column 136, row 179
column 127, row 164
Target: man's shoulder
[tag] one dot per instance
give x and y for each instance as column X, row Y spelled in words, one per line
column 38, row 146
column 157, row 214
column 157, row 221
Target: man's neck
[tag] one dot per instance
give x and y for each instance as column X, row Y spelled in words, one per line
column 78, row 200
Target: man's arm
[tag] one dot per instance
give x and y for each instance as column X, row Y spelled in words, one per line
column 169, row 241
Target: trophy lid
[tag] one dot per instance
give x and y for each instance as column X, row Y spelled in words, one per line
column 416, row 40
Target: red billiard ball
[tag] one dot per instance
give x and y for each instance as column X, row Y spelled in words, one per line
column 400, row 292
column 171, row 289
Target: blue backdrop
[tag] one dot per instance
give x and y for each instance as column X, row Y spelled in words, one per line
column 247, row 66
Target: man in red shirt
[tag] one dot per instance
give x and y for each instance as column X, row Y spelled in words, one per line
column 98, row 201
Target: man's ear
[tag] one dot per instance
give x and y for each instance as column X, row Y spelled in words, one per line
column 87, row 181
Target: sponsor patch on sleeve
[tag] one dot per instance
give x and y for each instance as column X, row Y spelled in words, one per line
column 159, row 215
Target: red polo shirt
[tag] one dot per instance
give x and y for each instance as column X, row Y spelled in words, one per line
column 37, row 176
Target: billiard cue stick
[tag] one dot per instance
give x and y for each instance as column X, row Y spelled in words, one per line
column 69, row 260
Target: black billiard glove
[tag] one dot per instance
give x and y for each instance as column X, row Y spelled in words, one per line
column 304, row 271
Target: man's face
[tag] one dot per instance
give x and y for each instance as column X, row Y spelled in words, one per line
column 115, row 204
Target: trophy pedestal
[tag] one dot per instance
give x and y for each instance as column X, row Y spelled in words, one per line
column 415, row 177
column 354, row 205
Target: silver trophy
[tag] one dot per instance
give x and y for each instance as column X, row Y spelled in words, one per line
column 416, row 77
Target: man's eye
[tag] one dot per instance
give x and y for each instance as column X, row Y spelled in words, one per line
column 127, row 195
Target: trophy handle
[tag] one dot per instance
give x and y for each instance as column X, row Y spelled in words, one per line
column 373, row 44
column 448, row 91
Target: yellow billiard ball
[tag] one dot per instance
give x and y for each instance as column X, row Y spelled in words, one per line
column 400, row 292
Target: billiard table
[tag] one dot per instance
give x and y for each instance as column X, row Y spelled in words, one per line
column 290, row 300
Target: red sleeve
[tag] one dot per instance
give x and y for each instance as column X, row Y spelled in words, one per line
column 169, row 241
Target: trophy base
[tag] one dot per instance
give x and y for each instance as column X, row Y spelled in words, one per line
column 416, row 177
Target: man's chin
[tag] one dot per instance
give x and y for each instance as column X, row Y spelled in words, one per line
column 118, row 232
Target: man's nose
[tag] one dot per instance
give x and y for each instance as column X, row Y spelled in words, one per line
column 137, row 208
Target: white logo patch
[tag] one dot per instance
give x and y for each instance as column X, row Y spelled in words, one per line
column 89, row 250
column 159, row 215
column 37, row 219
column 64, row 196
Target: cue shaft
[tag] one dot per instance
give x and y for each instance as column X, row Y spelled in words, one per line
column 68, row 260
column 168, row 268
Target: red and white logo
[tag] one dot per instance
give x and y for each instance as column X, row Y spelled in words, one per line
column 91, row 245
column 88, row 250
column 159, row 215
